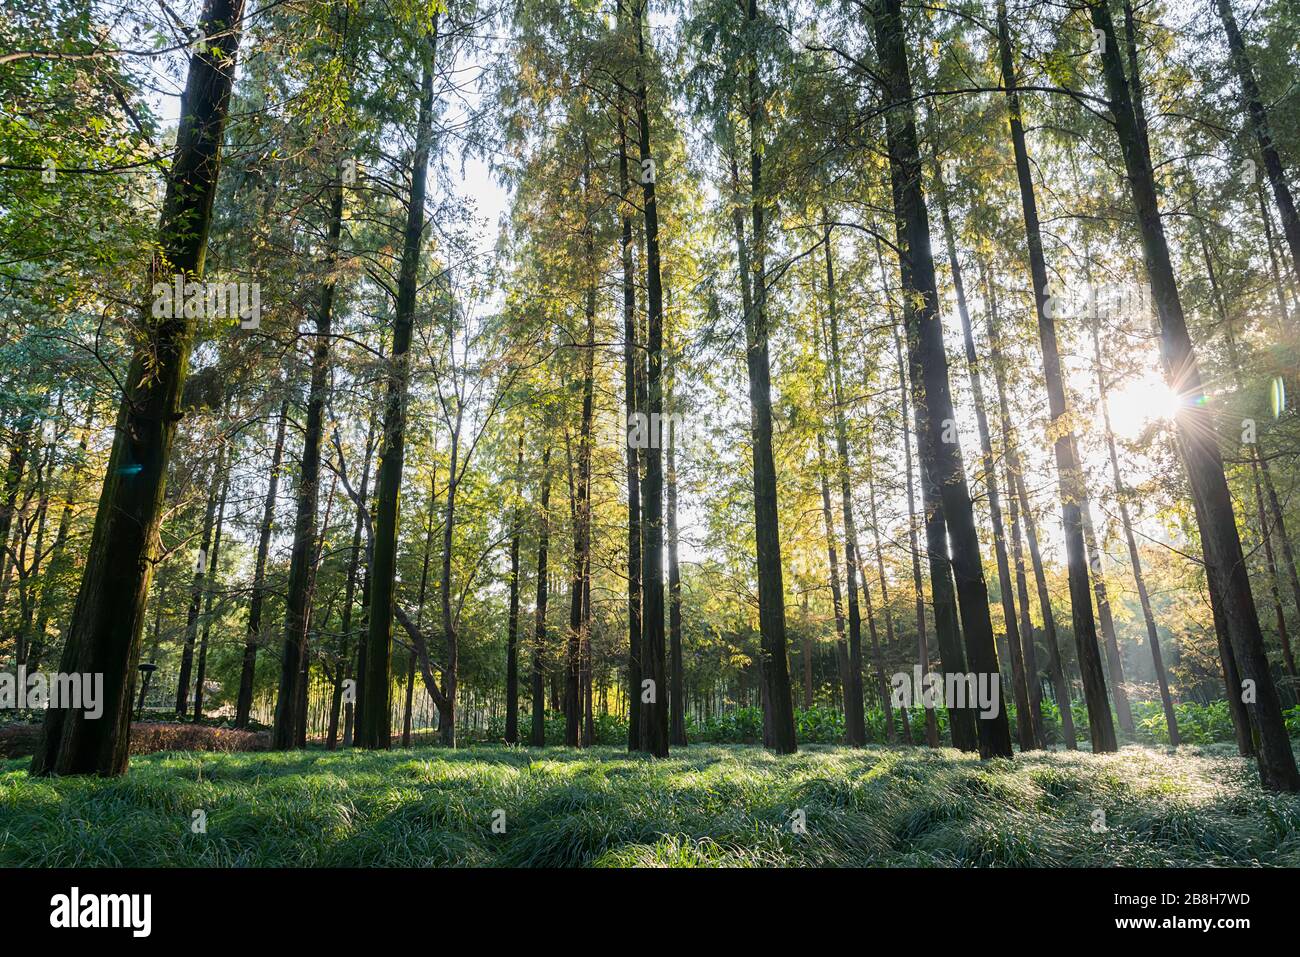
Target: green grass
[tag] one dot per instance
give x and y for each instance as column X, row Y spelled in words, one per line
column 710, row 805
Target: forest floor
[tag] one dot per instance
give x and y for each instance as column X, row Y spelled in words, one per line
column 709, row 805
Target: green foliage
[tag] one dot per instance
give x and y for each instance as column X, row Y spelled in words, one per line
column 705, row 806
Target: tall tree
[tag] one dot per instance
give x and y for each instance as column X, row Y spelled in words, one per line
column 374, row 716
column 104, row 632
column 1225, row 563
column 941, row 453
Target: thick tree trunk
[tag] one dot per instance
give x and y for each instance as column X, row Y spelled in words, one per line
column 374, row 717
column 1197, row 441
column 929, row 366
column 103, row 636
column 244, row 703
column 1069, row 470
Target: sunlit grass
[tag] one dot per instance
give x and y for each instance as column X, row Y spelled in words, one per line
column 711, row 805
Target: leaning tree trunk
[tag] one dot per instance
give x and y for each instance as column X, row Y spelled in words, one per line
column 104, row 630
column 1033, row 683
column 929, row 366
column 1197, row 440
column 244, row 703
column 1256, row 459
column 1069, row 470
column 374, row 718
column 294, row 652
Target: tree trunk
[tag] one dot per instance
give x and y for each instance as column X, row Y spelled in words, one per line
column 854, row 708
column 1253, row 100
column 841, row 647
column 654, row 705
column 922, row 644
column 677, row 678
column 929, row 367
column 293, row 656
column 103, row 636
column 244, row 703
column 512, row 620
column 1068, row 467
column 573, row 701
column 633, row 405
column 374, row 717
column 343, row 666
column 1197, row 440
column 201, row 671
column 538, row 736
column 197, row 587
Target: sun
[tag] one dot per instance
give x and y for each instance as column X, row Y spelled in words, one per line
column 1140, row 402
